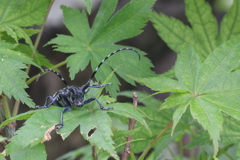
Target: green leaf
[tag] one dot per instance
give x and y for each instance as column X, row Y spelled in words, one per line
column 229, row 135
column 204, row 32
column 11, row 82
column 88, row 4
column 11, row 75
column 131, row 16
column 173, row 31
column 107, row 81
column 161, row 84
column 225, row 60
column 100, row 122
column 158, row 121
column 159, row 148
column 204, row 24
column 16, row 33
column 86, row 151
column 38, row 58
column 175, row 99
column 31, row 31
column 187, row 74
column 230, row 22
column 95, row 124
column 7, row 52
column 203, row 155
column 96, row 121
column 37, row 152
column 210, row 117
column 2, row 139
column 143, row 97
column 211, row 87
column 169, row 74
column 2, row 157
column 21, row 116
column 130, row 111
column 238, row 151
column 202, row 139
column 15, row 14
column 178, row 114
column 32, row 133
column 157, row 124
column 94, row 44
column 231, row 131
column 118, row 134
column 21, row 13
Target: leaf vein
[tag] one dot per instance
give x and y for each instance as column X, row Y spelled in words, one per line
column 212, row 73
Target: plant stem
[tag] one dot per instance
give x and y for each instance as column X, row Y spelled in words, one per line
column 132, row 121
column 192, row 135
column 181, row 148
column 94, row 153
column 155, row 139
column 30, row 80
column 39, row 35
column 6, row 107
column 17, row 103
column 16, row 108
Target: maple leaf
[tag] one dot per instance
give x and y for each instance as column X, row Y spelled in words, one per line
column 203, row 32
column 95, row 124
column 95, row 43
column 208, row 88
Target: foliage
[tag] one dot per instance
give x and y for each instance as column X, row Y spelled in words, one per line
column 203, row 101
column 206, row 67
column 87, row 43
column 207, row 88
column 13, row 17
column 97, row 42
column 13, row 85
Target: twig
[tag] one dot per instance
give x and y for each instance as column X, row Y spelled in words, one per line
column 94, row 153
column 6, row 107
column 132, row 121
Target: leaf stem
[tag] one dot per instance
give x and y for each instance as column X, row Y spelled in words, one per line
column 6, row 107
column 155, row 139
column 190, row 129
column 223, row 151
column 39, row 35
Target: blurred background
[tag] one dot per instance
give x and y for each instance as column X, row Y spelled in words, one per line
column 148, row 41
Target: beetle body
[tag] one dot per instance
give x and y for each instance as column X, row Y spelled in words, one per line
column 72, row 96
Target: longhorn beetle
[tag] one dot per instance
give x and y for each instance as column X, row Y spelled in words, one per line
column 71, row 96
